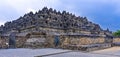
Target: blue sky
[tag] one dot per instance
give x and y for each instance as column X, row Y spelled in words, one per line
column 106, row 13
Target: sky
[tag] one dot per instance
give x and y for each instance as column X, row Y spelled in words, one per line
column 106, row 13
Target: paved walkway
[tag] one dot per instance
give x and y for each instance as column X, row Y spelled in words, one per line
column 50, row 52
column 28, row 52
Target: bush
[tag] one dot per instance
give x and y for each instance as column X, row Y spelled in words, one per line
column 117, row 33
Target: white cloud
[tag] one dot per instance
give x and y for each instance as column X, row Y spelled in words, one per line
column 78, row 7
column 23, row 5
column 1, row 23
column 29, row 10
column 2, row 19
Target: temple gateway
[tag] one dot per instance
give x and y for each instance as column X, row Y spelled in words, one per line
column 49, row 28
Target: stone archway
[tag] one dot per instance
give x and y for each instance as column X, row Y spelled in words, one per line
column 56, row 41
column 12, row 40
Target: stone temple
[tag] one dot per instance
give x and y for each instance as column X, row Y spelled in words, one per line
column 54, row 29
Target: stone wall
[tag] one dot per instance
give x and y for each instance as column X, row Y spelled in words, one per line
column 20, row 42
column 41, row 40
column 116, row 40
column 82, row 40
column 4, row 42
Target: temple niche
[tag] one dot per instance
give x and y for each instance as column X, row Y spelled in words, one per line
column 40, row 29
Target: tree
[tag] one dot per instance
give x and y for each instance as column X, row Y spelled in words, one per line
column 117, row 33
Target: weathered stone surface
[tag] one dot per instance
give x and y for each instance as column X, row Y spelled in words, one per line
column 39, row 30
column 116, row 40
column 51, row 18
column 4, row 43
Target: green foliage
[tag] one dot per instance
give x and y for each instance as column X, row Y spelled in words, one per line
column 117, row 33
